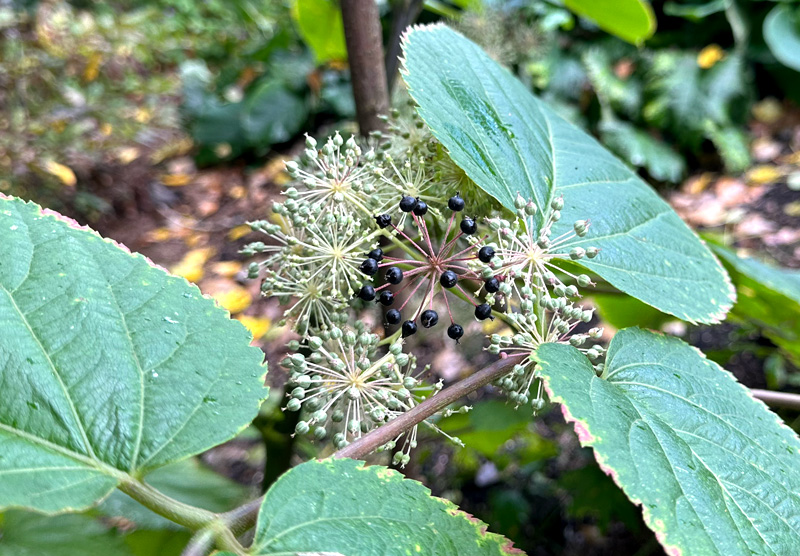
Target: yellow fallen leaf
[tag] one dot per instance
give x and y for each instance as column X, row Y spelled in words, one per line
column 763, row 174
column 191, row 266
column 192, row 272
column 126, row 155
column 226, row 268
column 63, row 173
column 768, row 111
column 92, row 69
column 142, row 115
column 257, row 326
column 709, row 56
column 238, row 232
column 792, row 209
column 158, row 235
column 235, row 300
column 237, row 192
column 106, row 129
column 176, row 180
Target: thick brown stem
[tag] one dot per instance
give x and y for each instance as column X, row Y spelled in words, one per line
column 362, row 33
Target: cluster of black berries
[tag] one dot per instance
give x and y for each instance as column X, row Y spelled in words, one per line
column 442, row 267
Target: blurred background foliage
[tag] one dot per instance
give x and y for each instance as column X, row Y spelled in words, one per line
column 164, row 124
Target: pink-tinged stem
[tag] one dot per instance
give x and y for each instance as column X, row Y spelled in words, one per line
column 402, row 233
column 419, row 283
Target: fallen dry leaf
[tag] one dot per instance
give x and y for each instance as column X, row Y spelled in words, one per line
column 235, row 300
column 226, row 268
column 191, row 266
column 258, row 326
column 763, row 174
column 238, row 232
column 62, row 172
column 176, row 180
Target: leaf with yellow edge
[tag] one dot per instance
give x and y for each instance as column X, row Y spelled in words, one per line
column 234, row 300
column 62, row 172
column 339, row 506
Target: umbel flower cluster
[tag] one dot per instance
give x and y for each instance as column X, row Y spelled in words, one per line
column 392, row 226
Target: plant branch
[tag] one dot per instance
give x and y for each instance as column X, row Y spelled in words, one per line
column 777, row 399
column 435, row 403
column 201, row 543
column 189, row 516
column 243, row 517
column 363, row 36
column 405, row 13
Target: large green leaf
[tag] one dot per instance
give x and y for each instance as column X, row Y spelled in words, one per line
column 630, row 20
column 342, row 507
column 769, row 297
column 29, row 534
column 782, row 34
column 714, row 469
column 509, row 142
column 109, row 366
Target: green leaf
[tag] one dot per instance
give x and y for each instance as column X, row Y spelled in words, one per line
column 630, row 20
column 507, row 141
column 714, row 470
column 695, row 12
column 782, row 34
column 157, row 543
column 342, row 507
column 643, row 150
column 768, row 296
column 110, row 366
column 30, row 534
column 490, row 425
column 623, row 311
column 187, row 481
column 320, row 25
column 272, row 114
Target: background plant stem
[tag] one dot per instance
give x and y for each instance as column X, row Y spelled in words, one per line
column 363, row 36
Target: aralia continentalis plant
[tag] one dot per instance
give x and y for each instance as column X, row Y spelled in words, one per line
column 479, row 203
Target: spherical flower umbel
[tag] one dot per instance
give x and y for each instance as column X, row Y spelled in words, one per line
column 345, row 389
column 520, row 251
column 433, row 268
column 338, row 177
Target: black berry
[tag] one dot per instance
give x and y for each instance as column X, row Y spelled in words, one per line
column 369, row 266
column 448, row 279
column 421, row 209
column 383, row 220
column 393, row 316
column 486, row 253
column 483, row 311
column 376, row 254
column 394, row 275
column 456, row 203
column 386, row 298
column 492, row 285
column 367, row 292
column 429, row 318
column 408, row 203
column 409, row 328
column 469, row 226
column 455, row 331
